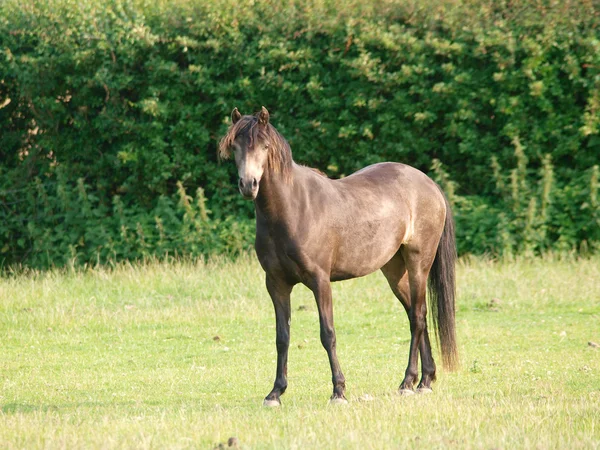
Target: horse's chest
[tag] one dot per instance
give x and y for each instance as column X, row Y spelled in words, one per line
column 278, row 256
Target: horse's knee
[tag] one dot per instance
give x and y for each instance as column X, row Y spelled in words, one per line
column 282, row 343
column 327, row 337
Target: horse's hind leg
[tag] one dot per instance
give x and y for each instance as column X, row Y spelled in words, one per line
column 418, row 264
column 398, row 279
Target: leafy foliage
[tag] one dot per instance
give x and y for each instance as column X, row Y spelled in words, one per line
column 111, row 109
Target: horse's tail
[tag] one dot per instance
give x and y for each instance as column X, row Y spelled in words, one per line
column 442, row 292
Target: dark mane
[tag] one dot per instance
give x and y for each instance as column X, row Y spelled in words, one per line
column 280, row 154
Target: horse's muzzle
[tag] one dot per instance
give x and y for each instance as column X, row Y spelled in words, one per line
column 248, row 188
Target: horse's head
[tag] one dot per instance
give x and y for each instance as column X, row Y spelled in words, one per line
column 249, row 140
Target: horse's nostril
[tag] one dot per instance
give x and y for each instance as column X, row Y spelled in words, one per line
column 240, row 183
column 254, row 183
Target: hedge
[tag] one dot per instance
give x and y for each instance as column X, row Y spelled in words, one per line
column 111, row 112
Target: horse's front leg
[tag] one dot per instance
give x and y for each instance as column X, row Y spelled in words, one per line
column 280, row 294
column 322, row 292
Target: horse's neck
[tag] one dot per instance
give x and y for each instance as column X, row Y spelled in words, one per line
column 275, row 200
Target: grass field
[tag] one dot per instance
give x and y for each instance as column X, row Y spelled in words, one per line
column 181, row 355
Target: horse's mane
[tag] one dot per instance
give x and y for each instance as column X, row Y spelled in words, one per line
column 314, row 169
column 279, row 158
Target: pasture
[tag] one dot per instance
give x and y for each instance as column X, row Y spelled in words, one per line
column 180, row 355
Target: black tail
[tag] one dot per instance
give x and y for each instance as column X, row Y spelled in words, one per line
column 442, row 292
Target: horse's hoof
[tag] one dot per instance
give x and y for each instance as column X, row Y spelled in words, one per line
column 271, row 403
column 338, row 401
column 406, row 392
column 424, row 390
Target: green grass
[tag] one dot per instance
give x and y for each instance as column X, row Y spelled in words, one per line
column 129, row 358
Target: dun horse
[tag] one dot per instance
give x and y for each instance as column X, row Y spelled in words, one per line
column 314, row 230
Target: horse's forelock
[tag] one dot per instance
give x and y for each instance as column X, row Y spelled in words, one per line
column 233, row 132
column 280, row 154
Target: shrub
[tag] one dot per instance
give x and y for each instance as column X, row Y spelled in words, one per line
column 111, row 109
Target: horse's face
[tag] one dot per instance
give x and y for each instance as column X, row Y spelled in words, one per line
column 251, row 154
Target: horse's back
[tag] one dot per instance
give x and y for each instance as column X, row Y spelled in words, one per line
column 391, row 174
column 403, row 186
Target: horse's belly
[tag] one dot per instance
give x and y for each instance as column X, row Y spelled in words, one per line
column 365, row 249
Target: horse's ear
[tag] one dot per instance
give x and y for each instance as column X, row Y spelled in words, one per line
column 235, row 115
column 263, row 116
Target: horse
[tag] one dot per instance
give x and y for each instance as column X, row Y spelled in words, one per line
column 314, row 230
